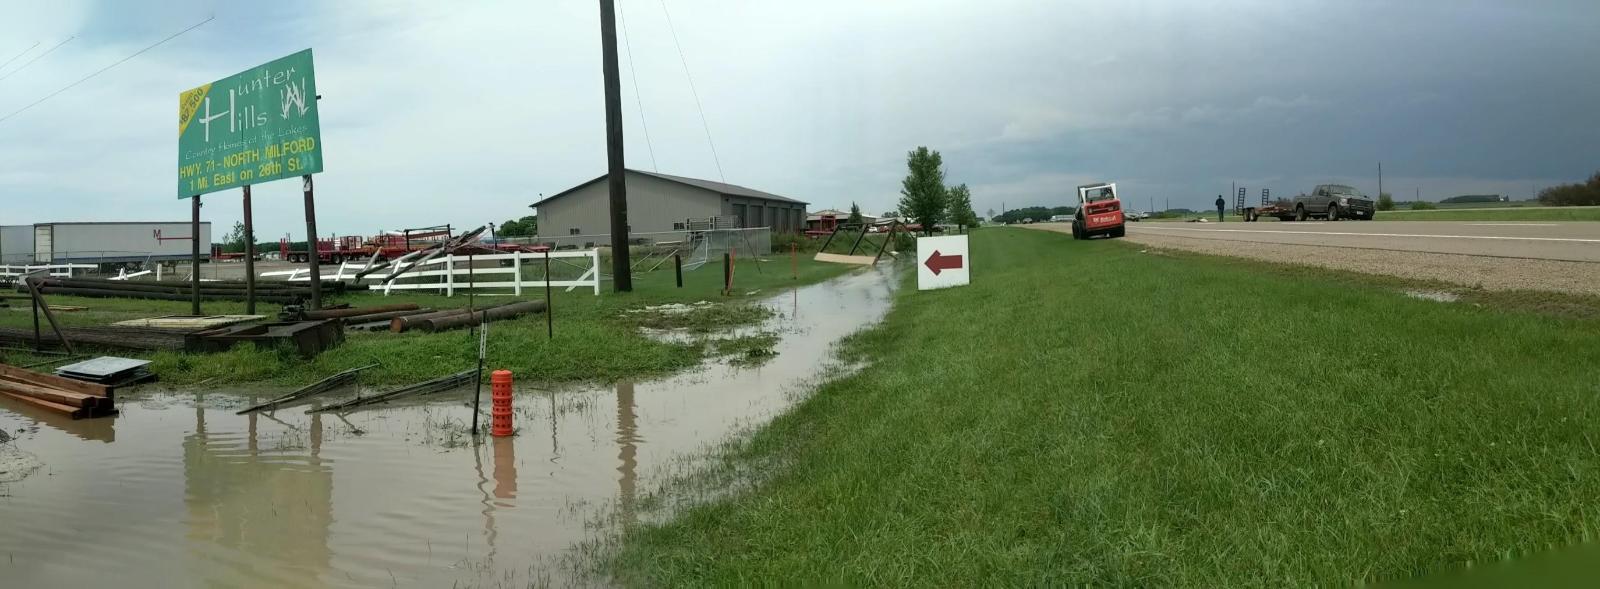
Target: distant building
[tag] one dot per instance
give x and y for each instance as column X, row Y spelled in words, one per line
column 818, row 220
column 660, row 203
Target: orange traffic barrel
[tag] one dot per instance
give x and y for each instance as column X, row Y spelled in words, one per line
column 500, row 411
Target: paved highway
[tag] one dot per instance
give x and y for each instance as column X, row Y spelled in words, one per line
column 1570, row 241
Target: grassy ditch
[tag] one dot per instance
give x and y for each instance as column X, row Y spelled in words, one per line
column 596, row 337
column 1511, row 214
column 1088, row 414
column 1507, row 214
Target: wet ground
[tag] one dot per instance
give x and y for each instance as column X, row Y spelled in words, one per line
column 179, row 491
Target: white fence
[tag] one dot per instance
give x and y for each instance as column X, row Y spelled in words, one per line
column 58, row 270
column 452, row 273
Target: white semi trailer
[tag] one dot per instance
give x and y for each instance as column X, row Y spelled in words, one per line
column 99, row 243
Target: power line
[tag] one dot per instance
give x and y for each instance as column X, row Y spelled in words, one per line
column 686, row 74
column 14, row 58
column 103, row 70
column 622, row 17
column 36, row 58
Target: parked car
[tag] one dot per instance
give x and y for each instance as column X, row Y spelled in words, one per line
column 1060, row 218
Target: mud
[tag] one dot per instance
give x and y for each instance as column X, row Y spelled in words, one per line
column 179, row 491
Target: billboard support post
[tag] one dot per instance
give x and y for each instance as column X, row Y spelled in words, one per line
column 194, row 253
column 313, row 255
column 249, row 257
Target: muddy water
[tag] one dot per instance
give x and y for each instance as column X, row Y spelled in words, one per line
column 178, row 491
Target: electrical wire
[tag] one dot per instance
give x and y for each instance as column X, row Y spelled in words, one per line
column 634, row 73
column 36, row 58
column 692, row 90
column 14, row 58
column 103, row 70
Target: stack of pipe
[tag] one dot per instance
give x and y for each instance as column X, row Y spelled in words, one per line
column 271, row 292
column 457, row 318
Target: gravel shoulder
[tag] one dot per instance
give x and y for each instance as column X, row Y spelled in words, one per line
column 1489, row 273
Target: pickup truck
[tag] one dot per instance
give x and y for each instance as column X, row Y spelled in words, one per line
column 1328, row 201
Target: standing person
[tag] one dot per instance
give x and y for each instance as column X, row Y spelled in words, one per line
column 1220, row 204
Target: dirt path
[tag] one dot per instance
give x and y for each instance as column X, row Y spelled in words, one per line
column 1486, row 272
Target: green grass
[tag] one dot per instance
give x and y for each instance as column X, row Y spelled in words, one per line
column 1511, row 214
column 595, row 338
column 1457, row 213
column 1088, row 414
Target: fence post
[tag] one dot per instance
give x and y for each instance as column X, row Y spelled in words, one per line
column 549, row 305
column 727, row 273
column 594, row 255
column 449, row 275
column 677, row 268
column 516, row 282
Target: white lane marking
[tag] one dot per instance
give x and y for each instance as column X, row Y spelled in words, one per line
column 1512, row 224
column 1562, row 239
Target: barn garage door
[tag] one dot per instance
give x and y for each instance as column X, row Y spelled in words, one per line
column 42, row 243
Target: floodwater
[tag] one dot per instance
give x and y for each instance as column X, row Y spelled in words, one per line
column 178, row 491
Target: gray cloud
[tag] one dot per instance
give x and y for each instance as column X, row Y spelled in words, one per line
column 465, row 112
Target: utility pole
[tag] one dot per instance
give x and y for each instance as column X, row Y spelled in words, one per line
column 621, row 271
column 1380, row 179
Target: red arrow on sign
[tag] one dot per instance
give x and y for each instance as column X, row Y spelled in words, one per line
column 938, row 263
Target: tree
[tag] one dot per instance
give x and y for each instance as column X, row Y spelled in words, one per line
column 960, row 207
column 1565, row 195
column 922, row 193
column 890, row 214
column 1385, row 202
column 855, row 215
column 234, row 240
column 525, row 227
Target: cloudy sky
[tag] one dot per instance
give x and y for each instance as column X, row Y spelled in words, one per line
column 464, row 112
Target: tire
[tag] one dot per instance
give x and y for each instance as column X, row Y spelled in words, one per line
column 1300, row 212
column 1077, row 232
column 1120, row 231
column 1333, row 212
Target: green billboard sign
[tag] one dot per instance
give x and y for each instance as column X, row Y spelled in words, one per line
column 255, row 126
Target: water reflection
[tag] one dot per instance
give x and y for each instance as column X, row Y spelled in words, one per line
column 627, row 449
column 275, row 505
column 102, row 429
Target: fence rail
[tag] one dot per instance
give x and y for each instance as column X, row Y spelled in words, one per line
column 12, row 272
column 452, row 273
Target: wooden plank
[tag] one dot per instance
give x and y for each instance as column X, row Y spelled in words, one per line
column 52, row 395
column 188, row 321
column 844, row 259
column 14, row 374
column 73, row 412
